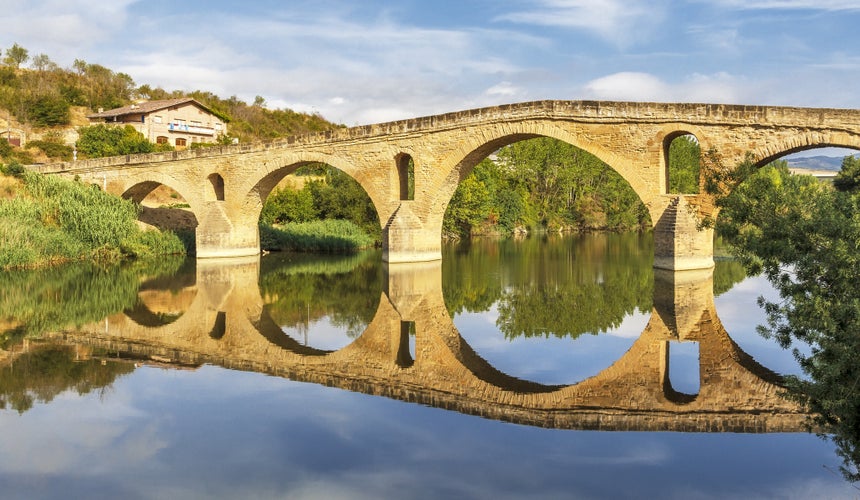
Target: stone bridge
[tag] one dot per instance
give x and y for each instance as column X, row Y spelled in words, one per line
column 227, row 186
column 225, row 323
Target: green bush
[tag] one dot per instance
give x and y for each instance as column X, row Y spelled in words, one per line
column 98, row 141
column 52, row 149
column 288, row 205
column 324, row 236
column 14, row 169
column 62, row 220
column 48, row 110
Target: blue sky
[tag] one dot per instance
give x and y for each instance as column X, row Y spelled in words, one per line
column 359, row 62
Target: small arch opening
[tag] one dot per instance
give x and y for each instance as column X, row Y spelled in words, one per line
column 217, row 183
column 406, row 349
column 406, row 175
column 682, row 158
column 683, row 369
column 219, row 328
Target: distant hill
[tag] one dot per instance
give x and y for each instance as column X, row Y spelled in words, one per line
column 47, row 100
column 833, row 163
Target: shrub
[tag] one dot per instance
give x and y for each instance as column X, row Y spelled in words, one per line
column 62, row 220
column 52, row 149
column 324, row 236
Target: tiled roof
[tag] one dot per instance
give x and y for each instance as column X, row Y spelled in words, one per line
column 146, row 107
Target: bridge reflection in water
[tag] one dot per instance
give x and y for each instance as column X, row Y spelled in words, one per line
column 226, row 324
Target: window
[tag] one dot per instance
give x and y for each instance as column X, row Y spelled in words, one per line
column 180, row 141
column 161, row 140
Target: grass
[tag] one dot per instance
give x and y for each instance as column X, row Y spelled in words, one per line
column 51, row 220
column 321, row 236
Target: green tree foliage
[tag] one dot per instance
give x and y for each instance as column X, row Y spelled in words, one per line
column 16, row 56
column 289, row 205
column 848, row 178
column 98, row 141
column 470, row 206
column 42, row 97
column 684, row 158
column 543, row 183
column 805, row 237
column 48, row 110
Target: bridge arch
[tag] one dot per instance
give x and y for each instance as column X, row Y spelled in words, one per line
column 138, row 187
column 258, row 188
column 460, row 163
column 804, row 142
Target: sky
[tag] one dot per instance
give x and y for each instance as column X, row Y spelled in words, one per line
column 367, row 61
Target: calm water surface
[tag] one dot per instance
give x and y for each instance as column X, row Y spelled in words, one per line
column 513, row 369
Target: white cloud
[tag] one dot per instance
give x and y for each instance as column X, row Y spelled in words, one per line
column 506, row 89
column 617, row 21
column 633, row 86
column 627, row 86
column 60, row 28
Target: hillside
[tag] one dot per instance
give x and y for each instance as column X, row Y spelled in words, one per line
column 40, row 101
column 833, row 163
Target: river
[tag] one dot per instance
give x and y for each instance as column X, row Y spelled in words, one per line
column 546, row 367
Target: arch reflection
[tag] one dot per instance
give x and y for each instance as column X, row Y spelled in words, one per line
column 735, row 393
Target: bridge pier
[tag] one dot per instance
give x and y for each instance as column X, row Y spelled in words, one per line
column 406, row 238
column 218, row 236
column 680, row 244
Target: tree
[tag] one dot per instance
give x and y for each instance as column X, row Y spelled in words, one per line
column 848, row 178
column 805, row 237
column 49, row 110
column 288, row 205
column 41, row 62
column 16, row 56
column 683, row 165
column 469, row 207
column 104, row 140
column 548, row 183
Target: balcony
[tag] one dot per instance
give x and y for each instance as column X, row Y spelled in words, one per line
column 191, row 129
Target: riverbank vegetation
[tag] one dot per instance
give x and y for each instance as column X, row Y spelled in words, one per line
column 329, row 213
column 804, row 236
column 46, row 220
column 541, row 184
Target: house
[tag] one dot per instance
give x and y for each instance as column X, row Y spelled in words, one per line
column 178, row 122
